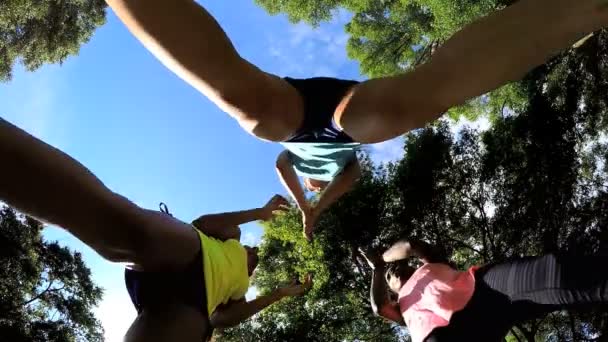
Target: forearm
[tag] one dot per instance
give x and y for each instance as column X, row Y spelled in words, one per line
column 378, row 291
column 338, row 187
column 290, row 181
column 229, row 219
column 414, row 248
column 426, row 252
column 242, row 311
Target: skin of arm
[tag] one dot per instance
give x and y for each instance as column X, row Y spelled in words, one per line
column 225, row 226
column 414, row 248
column 290, row 181
column 339, row 186
column 238, row 311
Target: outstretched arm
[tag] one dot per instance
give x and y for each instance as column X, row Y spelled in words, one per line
column 225, row 226
column 238, row 311
column 378, row 294
column 290, row 180
column 339, row 186
column 414, row 248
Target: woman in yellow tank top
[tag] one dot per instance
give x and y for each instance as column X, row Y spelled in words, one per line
column 184, row 279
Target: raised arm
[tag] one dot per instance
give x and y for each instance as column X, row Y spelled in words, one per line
column 290, row 181
column 378, row 294
column 414, row 248
column 239, row 311
column 225, row 226
column 340, row 185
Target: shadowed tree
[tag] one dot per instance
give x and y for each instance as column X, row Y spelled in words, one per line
column 40, row 32
column 534, row 183
column 46, row 290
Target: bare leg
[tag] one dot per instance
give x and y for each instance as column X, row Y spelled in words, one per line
column 493, row 51
column 48, row 184
column 189, row 41
column 168, row 324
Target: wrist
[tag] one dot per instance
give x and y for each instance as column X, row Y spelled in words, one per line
column 279, row 293
column 379, row 266
column 259, row 213
column 304, row 206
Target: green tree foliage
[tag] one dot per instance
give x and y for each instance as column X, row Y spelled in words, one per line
column 46, row 290
column 37, row 32
column 534, row 183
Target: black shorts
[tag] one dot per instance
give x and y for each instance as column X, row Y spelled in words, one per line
column 154, row 289
column 321, row 96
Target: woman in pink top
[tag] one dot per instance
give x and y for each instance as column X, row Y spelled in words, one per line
column 439, row 303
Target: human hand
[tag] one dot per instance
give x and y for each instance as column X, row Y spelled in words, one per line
column 276, row 203
column 309, row 218
column 295, row 288
column 373, row 258
column 398, row 251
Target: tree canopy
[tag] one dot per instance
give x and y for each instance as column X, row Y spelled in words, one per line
column 46, row 290
column 534, row 183
column 40, row 32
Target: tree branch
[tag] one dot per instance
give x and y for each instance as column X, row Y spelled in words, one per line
column 515, row 334
column 40, row 294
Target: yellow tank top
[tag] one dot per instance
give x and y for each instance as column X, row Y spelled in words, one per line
column 225, row 267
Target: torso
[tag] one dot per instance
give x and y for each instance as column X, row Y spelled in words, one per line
column 322, row 161
column 432, row 295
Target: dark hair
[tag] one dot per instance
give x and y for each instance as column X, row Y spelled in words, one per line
column 399, row 268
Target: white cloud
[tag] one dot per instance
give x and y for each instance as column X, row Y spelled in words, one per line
column 481, row 124
column 252, row 293
column 388, row 151
column 304, row 51
column 31, row 102
column 250, row 238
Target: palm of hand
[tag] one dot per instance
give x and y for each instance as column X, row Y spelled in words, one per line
column 296, row 289
column 276, row 203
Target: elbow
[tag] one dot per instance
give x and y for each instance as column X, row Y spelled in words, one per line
column 219, row 322
column 355, row 170
column 200, row 222
column 282, row 161
column 357, row 174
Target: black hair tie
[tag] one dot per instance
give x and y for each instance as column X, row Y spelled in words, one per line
column 163, row 208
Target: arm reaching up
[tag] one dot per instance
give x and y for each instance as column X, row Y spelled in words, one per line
column 239, row 311
column 225, row 226
column 404, row 249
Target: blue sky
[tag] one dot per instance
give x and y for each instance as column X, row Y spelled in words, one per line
column 152, row 138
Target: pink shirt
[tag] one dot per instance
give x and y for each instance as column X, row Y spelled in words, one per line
column 431, row 295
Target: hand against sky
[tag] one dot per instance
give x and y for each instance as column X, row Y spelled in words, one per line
column 276, row 203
